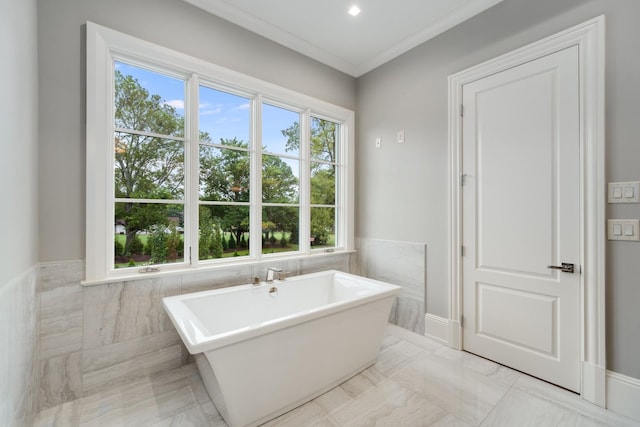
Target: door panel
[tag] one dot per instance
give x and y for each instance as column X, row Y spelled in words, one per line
column 495, row 304
column 521, row 214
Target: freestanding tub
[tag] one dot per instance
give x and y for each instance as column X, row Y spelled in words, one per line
column 262, row 353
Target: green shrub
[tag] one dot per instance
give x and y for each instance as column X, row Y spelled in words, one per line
column 157, row 242
column 293, row 236
column 136, row 247
column 173, row 243
column 216, row 241
column 181, row 247
column 118, row 248
column 206, row 234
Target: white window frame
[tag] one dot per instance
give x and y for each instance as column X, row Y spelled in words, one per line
column 104, row 47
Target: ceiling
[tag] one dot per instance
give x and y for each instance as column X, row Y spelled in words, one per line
column 324, row 31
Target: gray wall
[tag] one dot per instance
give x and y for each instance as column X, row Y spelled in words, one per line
column 171, row 23
column 402, row 188
column 19, row 154
column 19, row 213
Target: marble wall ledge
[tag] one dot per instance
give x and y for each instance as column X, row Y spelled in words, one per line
column 263, row 264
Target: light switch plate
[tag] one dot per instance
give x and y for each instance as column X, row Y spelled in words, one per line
column 623, row 229
column 624, row 192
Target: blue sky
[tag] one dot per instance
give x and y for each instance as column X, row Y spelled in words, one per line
column 222, row 115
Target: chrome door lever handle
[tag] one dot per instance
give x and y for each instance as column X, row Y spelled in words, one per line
column 565, row 267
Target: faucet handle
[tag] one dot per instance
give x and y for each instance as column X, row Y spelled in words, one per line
column 282, row 275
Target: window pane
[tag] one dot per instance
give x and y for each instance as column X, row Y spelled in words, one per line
column 147, row 101
column 324, row 138
column 234, row 228
column 323, row 184
column 280, row 130
column 323, row 227
column 280, row 226
column 280, row 179
column 223, row 117
column 148, row 233
column 148, row 168
column 224, row 174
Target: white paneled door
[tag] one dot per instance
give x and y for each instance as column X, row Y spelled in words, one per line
column 521, row 218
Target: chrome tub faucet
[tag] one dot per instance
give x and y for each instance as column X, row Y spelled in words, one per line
column 271, row 274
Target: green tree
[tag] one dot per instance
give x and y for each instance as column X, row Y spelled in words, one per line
column 323, row 139
column 279, row 184
column 224, row 172
column 323, row 177
column 225, row 175
column 146, row 167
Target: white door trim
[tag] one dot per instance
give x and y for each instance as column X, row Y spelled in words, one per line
column 589, row 37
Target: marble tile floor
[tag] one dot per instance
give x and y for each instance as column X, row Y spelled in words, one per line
column 415, row 382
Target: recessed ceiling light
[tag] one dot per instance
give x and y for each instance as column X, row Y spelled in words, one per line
column 354, row 11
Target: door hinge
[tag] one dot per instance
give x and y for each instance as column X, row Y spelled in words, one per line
column 189, row 254
column 461, row 250
column 461, row 110
column 461, row 321
column 463, row 178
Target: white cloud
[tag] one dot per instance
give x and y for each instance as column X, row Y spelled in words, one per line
column 210, row 112
column 176, row 103
column 228, row 120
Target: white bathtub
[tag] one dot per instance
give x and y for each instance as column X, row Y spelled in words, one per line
column 261, row 355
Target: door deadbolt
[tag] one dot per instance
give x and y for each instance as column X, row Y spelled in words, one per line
column 565, row 267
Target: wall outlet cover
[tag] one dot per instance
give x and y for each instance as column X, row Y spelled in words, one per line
column 624, row 192
column 623, row 229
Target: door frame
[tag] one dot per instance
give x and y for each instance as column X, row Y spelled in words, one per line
column 589, row 37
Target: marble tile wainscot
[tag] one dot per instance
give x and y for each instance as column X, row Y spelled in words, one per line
column 94, row 338
column 403, row 264
column 19, row 348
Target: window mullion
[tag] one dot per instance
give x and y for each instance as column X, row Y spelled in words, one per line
column 305, row 181
column 192, row 175
column 255, row 229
